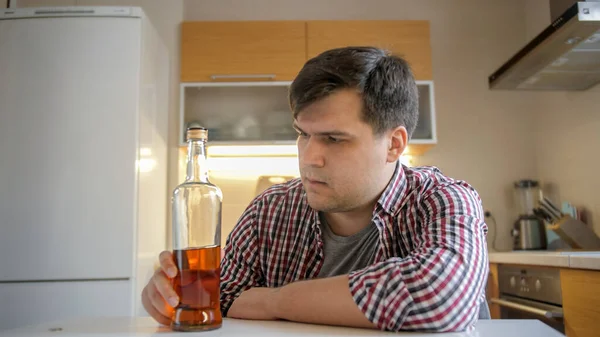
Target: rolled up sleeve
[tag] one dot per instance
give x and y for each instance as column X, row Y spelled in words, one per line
column 440, row 284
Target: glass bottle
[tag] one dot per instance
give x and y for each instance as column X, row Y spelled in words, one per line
column 196, row 207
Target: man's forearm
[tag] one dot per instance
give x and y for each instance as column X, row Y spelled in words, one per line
column 321, row 301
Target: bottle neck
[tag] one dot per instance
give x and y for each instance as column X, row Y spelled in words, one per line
column 197, row 170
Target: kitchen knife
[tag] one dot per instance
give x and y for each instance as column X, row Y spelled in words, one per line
column 542, row 214
column 553, row 216
column 552, row 206
column 547, row 205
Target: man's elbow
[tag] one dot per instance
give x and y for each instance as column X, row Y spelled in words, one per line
column 459, row 318
column 457, row 309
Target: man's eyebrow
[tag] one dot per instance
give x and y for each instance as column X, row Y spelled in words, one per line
column 324, row 133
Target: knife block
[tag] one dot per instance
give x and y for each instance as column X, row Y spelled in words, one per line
column 575, row 233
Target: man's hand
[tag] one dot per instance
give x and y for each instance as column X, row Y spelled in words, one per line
column 255, row 303
column 158, row 297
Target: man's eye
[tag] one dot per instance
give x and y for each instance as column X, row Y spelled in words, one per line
column 301, row 134
column 333, row 139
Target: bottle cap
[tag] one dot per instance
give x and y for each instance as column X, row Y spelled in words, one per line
column 197, row 133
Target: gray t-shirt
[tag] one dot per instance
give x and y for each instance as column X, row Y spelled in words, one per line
column 343, row 254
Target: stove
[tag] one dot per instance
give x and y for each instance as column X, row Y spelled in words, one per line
column 528, row 292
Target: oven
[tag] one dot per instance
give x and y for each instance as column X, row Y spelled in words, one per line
column 530, row 293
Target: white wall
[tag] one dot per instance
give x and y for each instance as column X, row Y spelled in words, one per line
column 568, row 148
column 484, row 136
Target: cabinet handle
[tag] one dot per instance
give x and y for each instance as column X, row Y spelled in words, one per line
column 526, row 308
column 242, row 76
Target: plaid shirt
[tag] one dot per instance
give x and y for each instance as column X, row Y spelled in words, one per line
column 430, row 269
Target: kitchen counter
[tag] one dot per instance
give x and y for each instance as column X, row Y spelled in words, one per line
column 585, row 260
column 561, row 259
column 146, row 326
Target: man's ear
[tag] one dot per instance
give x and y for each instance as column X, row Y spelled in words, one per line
column 397, row 142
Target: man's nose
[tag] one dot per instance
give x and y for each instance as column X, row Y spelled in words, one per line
column 312, row 153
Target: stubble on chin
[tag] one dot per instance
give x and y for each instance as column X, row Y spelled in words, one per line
column 325, row 204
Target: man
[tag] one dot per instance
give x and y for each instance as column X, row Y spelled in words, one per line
column 359, row 240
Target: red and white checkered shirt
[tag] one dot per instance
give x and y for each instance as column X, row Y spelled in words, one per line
column 430, row 269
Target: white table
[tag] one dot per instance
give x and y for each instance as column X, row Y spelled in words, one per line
column 145, row 326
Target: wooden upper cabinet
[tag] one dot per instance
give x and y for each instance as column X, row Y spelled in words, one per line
column 242, row 50
column 409, row 39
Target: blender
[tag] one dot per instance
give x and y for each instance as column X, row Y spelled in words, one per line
column 528, row 230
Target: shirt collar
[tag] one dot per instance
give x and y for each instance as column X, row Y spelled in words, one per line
column 393, row 195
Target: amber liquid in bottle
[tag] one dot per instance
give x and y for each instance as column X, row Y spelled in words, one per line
column 196, row 215
column 197, row 285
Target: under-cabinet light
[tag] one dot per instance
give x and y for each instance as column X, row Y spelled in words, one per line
column 252, row 151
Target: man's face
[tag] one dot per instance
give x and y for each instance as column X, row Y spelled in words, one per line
column 341, row 160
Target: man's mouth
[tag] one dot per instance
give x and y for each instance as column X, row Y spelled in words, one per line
column 314, row 181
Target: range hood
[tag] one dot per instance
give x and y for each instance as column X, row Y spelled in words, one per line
column 564, row 56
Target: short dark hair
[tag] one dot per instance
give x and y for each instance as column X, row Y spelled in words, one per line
column 385, row 82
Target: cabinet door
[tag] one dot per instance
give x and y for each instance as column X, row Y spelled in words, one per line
column 581, row 302
column 493, row 291
column 40, row 302
column 409, row 39
column 68, row 145
column 242, row 50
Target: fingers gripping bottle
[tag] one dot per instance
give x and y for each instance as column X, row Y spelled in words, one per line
column 196, row 208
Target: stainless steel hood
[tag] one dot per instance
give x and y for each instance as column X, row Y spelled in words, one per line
column 565, row 56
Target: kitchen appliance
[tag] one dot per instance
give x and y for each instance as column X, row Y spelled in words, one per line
column 83, row 142
column 528, row 230
column 530, row 293
column 575, row 233
column 572, row 231
column 264, row 182
column 564, row 56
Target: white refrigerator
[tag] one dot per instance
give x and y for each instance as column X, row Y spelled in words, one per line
column 83, row 161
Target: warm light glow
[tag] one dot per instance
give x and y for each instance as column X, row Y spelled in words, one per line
column 261, row 150
column 249, row 162
column 245, row 167
column 276, row 180
column 145, row 151
column 248, row 167
column 407, row 160
column 252, row 150
column 145, row 165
